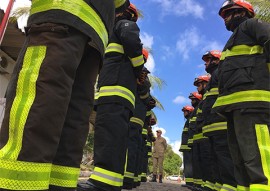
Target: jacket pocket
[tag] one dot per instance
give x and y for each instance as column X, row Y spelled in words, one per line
column 48, row 27
column 237, row 72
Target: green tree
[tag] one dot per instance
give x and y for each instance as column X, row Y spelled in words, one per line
column 262, row 8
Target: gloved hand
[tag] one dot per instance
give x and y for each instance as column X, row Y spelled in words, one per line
column 153, row 121
column 151, row 104
column 142, row 76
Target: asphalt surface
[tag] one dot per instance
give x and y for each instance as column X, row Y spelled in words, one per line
column 165, row 186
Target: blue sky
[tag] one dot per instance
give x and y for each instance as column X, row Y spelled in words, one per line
column 178, row 32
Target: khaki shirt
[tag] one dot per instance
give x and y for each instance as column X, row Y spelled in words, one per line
column 159, row 147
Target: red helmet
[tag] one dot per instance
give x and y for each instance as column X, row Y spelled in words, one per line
column 204, row 78
column 134, row 12
column 145, row 53
column 211, row 53
column 195, row 95
column 188, row 108
column 236, row 4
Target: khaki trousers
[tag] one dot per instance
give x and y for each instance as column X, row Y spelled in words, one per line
column 158, row 164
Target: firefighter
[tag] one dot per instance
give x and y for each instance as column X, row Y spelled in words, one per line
column 135, row 128
column 203, row 156
column 187, row 154
column 244, row 96
column 215, row 128
column 50, row 94
column 117, row 84
column 195, row 98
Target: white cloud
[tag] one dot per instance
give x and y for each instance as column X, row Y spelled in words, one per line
column 212, row 45
column 148, row 42
column 175, row 147
column 188, row 41
column 181, row 100
column 181, row 8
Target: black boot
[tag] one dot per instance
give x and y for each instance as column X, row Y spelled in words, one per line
column 154, row 178
column 87, row 186
column 160, row 179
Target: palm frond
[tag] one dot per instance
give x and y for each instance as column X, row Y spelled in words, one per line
column 21, row 11
column 262, row 8
column 158, row 103
column 156, row 82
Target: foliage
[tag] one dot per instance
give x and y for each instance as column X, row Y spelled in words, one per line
column 89, row 146
column 262, row 8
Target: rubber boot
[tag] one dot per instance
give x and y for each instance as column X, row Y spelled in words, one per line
column 154, row 178
column 160, row 179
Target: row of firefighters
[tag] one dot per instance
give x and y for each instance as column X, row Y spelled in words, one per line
column 46, row 119
column 226, row 139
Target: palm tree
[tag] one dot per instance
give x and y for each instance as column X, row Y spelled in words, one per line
column 262, row 8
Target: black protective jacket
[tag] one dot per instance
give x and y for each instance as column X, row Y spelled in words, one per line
column 123, row 62
column 244, row 70
column 93, row 18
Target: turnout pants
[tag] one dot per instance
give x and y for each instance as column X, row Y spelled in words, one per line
column 249, row 144
column 188, row 167
column 110, row 146
column 223, row 161
column 49, row 100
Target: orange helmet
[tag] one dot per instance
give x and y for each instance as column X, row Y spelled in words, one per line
column 145, row 53
column 204, row 78
column 188, row 108
column 195, row 95
column 133, row 11
column 211, row 53
column 236, row 4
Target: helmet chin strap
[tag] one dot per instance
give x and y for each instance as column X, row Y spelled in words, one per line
column 235, row 21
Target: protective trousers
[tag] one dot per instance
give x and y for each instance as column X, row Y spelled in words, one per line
column 188, row 167
column 197, row 171
column 249, row 144
column 110, row 146
column 49, row 100
column 132, row 151
column 223, row 161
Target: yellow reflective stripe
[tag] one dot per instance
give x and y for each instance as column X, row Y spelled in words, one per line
column 129, row 175
column 149, row 153
column 119, row 3
column 226, row 187
column 213, row 91
column 209, row 185
column 19, row 175
column 117, row 91
column 144, row 131
column 190, row 180
column 137, row 61
column 217, row 186
column 263, row 140
column 64, row 176
column 137, row 120
column 215, row 127
column 107, row 177
column 185, row 147
column 243, row 96
column 25, row 96
column 148, row 144
column 114, row 47
column 241, row 50
column 198, row 181
column 96, row 95
column 145, row 96
column 259, row 187
column 190, row 141
column 193, row 119
column 143, row 175
column 242, row 188
column 78, row 8
column 199, row 111
column 185, row 129
column 198, row 137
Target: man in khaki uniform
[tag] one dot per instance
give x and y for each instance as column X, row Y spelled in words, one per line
column 159, row 148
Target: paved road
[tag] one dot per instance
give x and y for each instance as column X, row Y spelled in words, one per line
column 165, row 186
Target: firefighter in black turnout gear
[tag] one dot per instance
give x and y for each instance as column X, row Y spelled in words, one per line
column 135, row 130
column 117, row 86
column 244, row 94
column 215, row 128
column 187, row 154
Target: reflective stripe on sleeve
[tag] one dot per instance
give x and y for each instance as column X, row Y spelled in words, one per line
column 137, row 120
column 137, row 61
